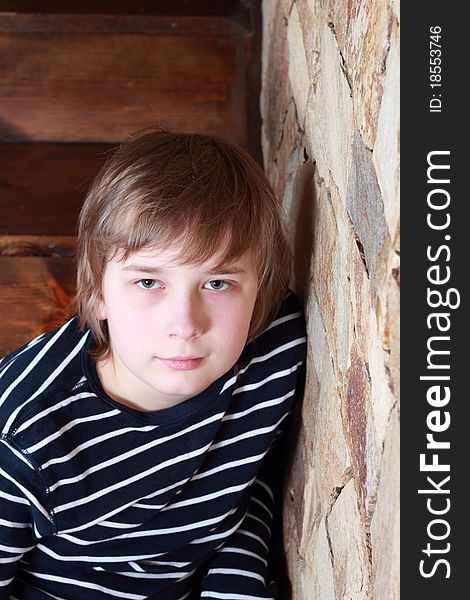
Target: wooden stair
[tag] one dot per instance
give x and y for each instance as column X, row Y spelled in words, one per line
column 77, row 78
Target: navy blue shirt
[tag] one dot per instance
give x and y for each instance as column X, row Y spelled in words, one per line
column 100, row 501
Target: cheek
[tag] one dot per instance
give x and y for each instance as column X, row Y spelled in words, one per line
column 232, row 326
column 121, row 319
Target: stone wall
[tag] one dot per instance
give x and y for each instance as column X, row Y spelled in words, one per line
column 330, row 138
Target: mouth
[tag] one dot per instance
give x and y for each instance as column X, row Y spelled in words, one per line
column 182, row 363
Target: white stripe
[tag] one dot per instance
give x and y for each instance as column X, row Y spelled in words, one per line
column 148, row 506
column 97, row 440
column 70, row 425
column 35, row 340
column 5, row 582
column 150, row 532
column 52, row 596
column 257, row 501
column 134, row 452
column 52, row 409
column 9, row 364
column 229, row 465
column 143, row 575
column 266, row 487
column 6, row 366
column 116, row 525
column 228, row 383
column 160, row 491
column 34, row 362
column 241, row 572
column 16, row 499
column 277, row 375
column 132, row 503
column 14, row 524
column 244, row 552
column 281, row 320
column 11, row 559
column 234, row 379
column 277, row 350
column 79, row 383
column 133, row 479
column 231, row 596
column 51, row 377
column 60, row 368
column 165, row 563
column 254, row 537
column 218, row 536
column 248, row 435
column 92, row 559
column 260, row 406
column 86, row 584
column 36, row 531
column 218, row 494
column 13, row 550
column 251, row 516
column 27, row 494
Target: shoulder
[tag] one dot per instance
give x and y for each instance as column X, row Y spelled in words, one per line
column 281, row 345
column 291, row 312
column 272, row 369
column 43, row 367
column 286, row 331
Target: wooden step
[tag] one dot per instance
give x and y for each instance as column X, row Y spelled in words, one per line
column 43, row 185
column 35, row 292
column 238, row 10
column 76, row 78
column 97, row 78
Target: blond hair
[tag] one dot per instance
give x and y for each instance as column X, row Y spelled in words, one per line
column 159, row 187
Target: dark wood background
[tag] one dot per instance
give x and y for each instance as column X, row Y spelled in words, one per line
column 75, row 79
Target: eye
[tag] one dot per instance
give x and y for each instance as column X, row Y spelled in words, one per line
column 217, row 285
column 148, row 284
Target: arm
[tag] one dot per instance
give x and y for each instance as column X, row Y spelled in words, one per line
column 239, row 570
column 20, row 513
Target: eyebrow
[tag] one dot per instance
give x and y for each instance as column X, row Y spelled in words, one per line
column 216, row 270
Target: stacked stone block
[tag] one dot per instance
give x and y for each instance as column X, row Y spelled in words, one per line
column 330, row 109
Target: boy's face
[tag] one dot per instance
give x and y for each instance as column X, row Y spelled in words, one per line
column 174, row 329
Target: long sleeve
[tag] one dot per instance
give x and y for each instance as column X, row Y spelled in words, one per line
column 22, row 512
column 239, row 570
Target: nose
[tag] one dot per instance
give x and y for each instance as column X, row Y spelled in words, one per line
column 186, row 318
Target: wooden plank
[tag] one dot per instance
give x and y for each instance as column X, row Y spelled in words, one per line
column 124, row 23
column 252, row 80
column 34, row 297
column 148, row 7
column 42, row 186
column 98, row 88
column 36, row 245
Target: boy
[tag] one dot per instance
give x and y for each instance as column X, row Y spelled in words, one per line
column 137, row 438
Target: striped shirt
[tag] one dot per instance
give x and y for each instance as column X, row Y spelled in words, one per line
column 98, row 500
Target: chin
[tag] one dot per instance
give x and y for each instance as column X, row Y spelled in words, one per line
column 188, row 389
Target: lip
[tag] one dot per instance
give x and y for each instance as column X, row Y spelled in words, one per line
column 182, row 363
